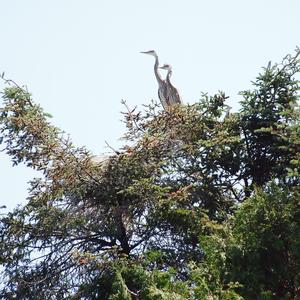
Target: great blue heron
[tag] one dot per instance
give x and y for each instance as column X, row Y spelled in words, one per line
column 162, row 88
column 172, row 94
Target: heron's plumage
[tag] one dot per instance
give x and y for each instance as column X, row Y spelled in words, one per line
column 167, row 93
column 172, row 93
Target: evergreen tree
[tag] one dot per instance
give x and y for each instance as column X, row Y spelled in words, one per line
column 185, row 210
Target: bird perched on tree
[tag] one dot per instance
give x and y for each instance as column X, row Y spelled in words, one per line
column 172, row 94
column 164, row 86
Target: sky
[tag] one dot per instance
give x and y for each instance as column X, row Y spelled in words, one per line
column 80, row 58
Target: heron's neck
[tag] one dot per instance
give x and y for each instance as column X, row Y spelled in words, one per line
column 157, row 75
column 169, row 74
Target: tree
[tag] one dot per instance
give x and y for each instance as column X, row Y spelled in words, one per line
column 154, row 220
column 267, row 259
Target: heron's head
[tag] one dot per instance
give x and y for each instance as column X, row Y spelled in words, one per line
column 150, row 52
column 166, row 67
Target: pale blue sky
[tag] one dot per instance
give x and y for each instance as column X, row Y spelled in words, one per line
column 80, row 58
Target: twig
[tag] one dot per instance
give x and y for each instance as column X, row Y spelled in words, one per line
column 10, row 81
column 131, row 116
column 109, row 146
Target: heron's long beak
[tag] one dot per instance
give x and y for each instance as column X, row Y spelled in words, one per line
column 144, row 52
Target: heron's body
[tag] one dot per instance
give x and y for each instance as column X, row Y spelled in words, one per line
column 163, row 97
column 172, row 93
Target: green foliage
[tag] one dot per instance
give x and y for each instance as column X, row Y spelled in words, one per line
column 202, row 204
column 266, row 228
column 270, row 123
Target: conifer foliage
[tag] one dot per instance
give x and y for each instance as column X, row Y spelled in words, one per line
column 198, row 204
